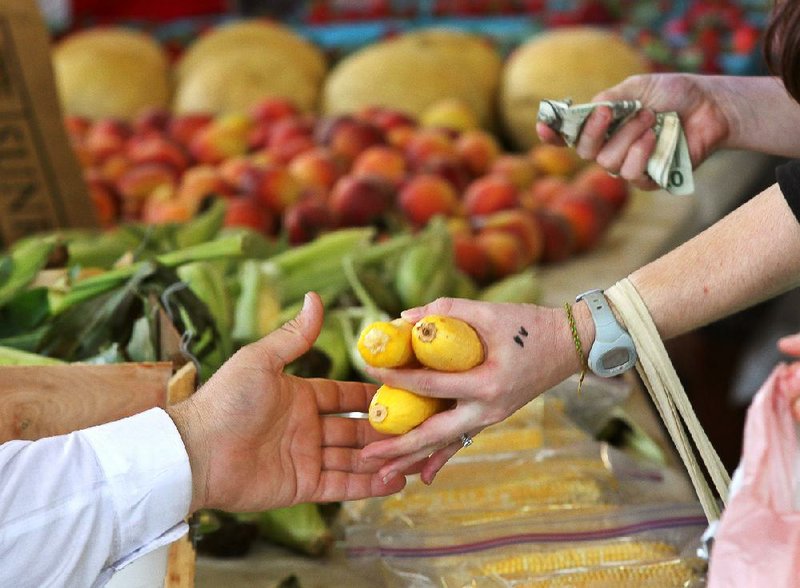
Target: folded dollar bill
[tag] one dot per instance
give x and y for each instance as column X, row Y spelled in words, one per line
column 669, row 165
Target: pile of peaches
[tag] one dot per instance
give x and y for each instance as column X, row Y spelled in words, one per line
column 288, row 173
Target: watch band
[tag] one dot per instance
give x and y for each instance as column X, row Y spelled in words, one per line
column 613, row 351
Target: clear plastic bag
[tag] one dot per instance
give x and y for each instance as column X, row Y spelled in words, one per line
column 627, row 546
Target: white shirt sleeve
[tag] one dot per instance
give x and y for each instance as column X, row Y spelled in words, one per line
column 76, row 508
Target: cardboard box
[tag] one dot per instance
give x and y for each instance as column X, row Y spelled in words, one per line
column 41, row 186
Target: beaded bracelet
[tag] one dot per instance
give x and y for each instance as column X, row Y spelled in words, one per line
column 577, row 340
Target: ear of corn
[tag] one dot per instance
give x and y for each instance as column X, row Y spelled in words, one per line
column 578, row 556
column 672, row 573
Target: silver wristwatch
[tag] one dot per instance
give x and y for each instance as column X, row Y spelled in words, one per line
column 613, row 351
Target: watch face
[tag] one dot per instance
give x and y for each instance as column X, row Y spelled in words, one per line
column 615, row 358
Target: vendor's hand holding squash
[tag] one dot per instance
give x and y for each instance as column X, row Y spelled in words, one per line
column 527, row 350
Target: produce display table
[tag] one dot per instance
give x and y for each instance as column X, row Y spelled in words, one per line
column 653, row 223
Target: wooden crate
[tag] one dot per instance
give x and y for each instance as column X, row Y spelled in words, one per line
column 42, row 401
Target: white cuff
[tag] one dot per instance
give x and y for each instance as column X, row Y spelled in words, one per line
column 147, row 469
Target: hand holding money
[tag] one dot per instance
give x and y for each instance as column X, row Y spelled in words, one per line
column 669, row 165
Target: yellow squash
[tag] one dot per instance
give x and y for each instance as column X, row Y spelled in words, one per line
column 446, row 344
column 395, row 411
column 386, row 344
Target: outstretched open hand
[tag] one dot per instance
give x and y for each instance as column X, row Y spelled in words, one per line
column 258, row 438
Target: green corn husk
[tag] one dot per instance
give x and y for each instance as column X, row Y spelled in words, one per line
column 300, row 527
column 236, row 246
column 426, row 272
column 11, row 356
column 23, row 263
column 203, row 227
column 208, row 284
column 521, row 288
column 257, row 308
column 328, row 357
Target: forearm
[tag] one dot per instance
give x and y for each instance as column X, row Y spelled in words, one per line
column 747, row 257
column 761, row 114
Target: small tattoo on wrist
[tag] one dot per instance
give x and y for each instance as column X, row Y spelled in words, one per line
column 518, row 339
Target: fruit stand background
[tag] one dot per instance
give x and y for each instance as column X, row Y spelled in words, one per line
column 688, row 35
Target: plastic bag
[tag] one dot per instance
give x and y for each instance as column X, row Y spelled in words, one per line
column 757, row 542
column 596, row 550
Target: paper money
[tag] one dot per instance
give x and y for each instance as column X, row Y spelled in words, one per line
column 669, row 165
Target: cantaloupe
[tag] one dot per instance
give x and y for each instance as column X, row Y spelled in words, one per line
column 110, row 72
column 576, row 62
column 259, row 35
column 236, row 65
column 414, row 71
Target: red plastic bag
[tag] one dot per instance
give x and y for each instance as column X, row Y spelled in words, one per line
column 757, row 542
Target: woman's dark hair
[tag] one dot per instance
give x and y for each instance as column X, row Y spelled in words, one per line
column 782, row 45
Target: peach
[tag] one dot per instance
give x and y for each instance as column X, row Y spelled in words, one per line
column 478, row 149
column 504, row 250
column 425, row 196
column 273, row 186
column 490, row 194
column 289, row 137
column 553, row 160
column 140, row 180
column 163, row 207
column 156, row 148
column 543, row 191
column 360, row 200
column 559, row 237
column 306, row 219
column 400, row 136
column 151, row 120
column 183, row 127
column 106, row 137
column 425, row 144
column 200, row 182
column 449, row 167
column 233, row 169
column 517, row 168
column 450, row 113
column 596, row 180
column 348, row 136
column 522, row 224
column 386, row 119
column 106, row 201
column 113, row 167
column 247, row 212
column 317, row 168
column 471, row 258
column 225, row 136
column 586, row 215
column 272, row 109
column 382, row 161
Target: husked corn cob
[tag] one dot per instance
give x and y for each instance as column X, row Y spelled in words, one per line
column 577, row 556
column 564, row 489
column 465, row 518
column 673, row 573
column 501, row 440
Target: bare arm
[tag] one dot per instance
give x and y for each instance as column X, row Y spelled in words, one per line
column 762, row 115
column 747, row 257
column 750, row 255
